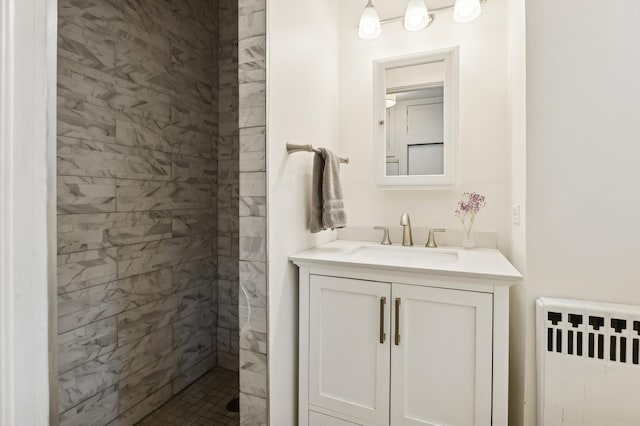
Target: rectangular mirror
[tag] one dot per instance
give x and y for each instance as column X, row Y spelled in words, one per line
column 415, row 110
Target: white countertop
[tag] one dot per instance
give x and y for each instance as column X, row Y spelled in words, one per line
column 477, row 262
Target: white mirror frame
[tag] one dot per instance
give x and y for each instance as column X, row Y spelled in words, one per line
column 451, row 86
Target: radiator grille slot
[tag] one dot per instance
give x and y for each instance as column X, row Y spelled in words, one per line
column 566, row 335
column 588, row 357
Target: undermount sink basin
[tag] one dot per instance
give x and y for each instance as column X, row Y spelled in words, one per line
column 406, row 255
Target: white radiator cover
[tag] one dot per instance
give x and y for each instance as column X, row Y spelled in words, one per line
column 588, row 359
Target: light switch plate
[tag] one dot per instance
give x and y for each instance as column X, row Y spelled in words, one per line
column 515, row 214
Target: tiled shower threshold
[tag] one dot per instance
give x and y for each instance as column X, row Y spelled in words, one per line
column 204, row 402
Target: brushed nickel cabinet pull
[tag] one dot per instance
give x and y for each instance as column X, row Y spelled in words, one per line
column 383, row 301
column 397, row 321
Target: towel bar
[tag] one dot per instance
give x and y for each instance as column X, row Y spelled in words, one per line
column 291, row 148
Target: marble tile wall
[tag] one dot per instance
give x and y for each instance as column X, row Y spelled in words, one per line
column 228, row 184
column 252, row 210
column 139, row 205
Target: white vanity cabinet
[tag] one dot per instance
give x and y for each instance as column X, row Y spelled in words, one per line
column 388, row 345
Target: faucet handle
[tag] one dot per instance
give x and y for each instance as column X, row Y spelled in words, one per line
column 431, row 242
column 385, row 238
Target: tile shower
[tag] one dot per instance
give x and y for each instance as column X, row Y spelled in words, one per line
column 148, row 204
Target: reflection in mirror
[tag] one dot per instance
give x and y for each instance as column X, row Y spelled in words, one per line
column 415, row 132
column 417, row 138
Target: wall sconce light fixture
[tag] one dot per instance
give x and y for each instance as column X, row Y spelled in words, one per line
column 416, row 16
column 369, row 27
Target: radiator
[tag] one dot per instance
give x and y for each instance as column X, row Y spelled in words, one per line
column 588, row 363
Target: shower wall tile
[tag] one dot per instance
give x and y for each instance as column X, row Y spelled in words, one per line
column 255, row 227
column 185, row 118
column 137, row 131
column 228, row 292
column 256, row 322
column 253, row 276
column 86, row 195
column 86, row 343
column 228, row 316
column 228, row 268
column 99, row 16
column 252, row 94
column 193, row 169
column 252, row 116
column 228, row 360
column 142, row 409
column 252, row 211
column 194, row 274
column 139, row 322
column 140, row 258
column 78, row 157
column 251, row 59
column 80, row 232
column 251, row 24
column 186, row 329
column 82, row 45
column 253, row 206
column 194, row 350
column 83, row 307
column 85, row 269
column 249, row 6
column 193, row 222
column 253, row 341
column 79, row 384
column 80, row 119
column 97, row 410
column 136, row 195
column 224, row 339
column 193, row 300
column 84, row 83
column 138, row 123
column 136, row 387
column 134, row 99
column 253, row 409
column 253, row 139
column 253, row 377
column 253, row 184
column 253, row 248
column 227, row 196
column 183, row 379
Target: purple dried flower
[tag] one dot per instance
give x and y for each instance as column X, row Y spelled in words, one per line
column 470, row 203
column 468, row 207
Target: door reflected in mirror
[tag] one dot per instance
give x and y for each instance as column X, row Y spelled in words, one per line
column 415, row 131
column 417, row 95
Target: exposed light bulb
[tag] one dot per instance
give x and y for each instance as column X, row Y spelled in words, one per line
column 369, row 27
column 416, row 16
column 466, row 10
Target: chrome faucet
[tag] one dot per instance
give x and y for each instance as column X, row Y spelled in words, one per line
column 407, row 239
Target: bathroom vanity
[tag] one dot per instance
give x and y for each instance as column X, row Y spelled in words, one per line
column 393, row 335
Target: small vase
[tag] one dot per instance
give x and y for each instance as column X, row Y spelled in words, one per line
column 468, row 242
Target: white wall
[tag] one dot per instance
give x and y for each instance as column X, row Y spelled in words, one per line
column 302, row 108
column 516, row 67
column 484, row 143
column 583, row 150
column 27, row 209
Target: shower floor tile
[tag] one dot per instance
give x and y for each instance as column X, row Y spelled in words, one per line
column 201, row 403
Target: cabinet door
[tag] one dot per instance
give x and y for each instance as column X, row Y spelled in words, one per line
column 349, row 350
column 441, row 362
